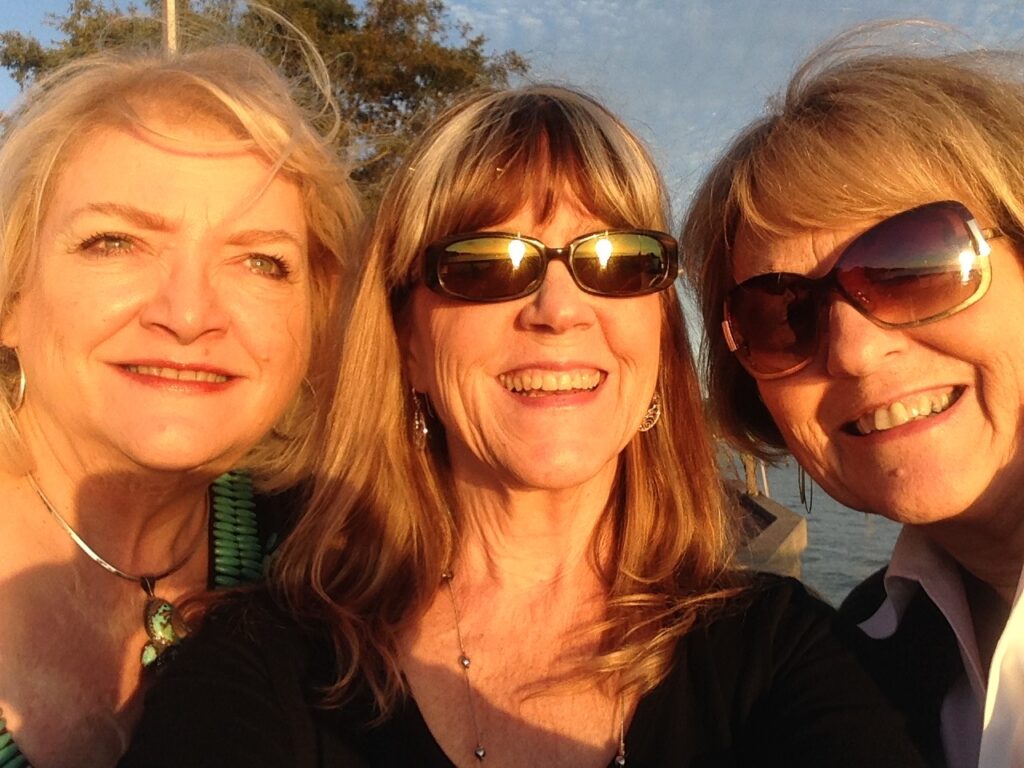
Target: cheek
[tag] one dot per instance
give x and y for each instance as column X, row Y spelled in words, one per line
column 634, row 334
column 297, row 341
column 794, row 410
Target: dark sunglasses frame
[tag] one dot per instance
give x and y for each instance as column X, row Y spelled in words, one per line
column 435, row 253
column 824, row 287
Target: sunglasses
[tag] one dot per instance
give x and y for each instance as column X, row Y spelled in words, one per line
column 916, row 267
column 497, row 266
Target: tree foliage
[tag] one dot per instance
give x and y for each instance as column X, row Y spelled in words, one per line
column 394, row 64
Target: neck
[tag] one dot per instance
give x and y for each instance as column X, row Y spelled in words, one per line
column 993, row 554
column 139, row 520
column 529, row 538
column 136, row 523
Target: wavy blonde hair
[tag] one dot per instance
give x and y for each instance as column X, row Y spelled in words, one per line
column 861, row 132
column 235, row 89
column 382, row 523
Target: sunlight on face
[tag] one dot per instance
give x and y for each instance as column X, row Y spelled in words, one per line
column 166, row 322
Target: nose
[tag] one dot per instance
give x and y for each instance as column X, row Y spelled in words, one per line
column 185, row 302
column 558, row 305
column 855, row 346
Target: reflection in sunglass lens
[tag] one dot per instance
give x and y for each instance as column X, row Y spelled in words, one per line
column 490, row 267
column 620, row 264
column 912, row 267
column 916, row 267
column 504, row 266
column 776, row 320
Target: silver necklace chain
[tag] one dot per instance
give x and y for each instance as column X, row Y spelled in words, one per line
column 479, row 752
column 146, row 581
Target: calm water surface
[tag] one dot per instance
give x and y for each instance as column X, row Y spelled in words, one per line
column 843, row 545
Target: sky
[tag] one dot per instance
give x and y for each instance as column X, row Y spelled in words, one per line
column 687, row 75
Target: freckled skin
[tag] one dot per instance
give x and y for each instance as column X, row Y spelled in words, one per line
column 965, row 464
column 146, row 252
column 458, row 350
column 186, row 290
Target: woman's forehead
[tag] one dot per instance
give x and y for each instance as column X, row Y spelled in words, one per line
column 812, row 252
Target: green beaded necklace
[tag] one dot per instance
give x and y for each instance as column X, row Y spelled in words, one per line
column 238, row 558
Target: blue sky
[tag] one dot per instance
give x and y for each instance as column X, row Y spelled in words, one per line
column 686, row 74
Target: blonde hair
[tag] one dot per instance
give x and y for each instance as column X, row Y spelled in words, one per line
column 235, row 89
column 382, row 523
column 859, row 134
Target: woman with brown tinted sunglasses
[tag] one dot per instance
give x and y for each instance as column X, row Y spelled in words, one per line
column 857, row 254
column 516, row 552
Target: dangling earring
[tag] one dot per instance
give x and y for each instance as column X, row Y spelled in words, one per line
column 420, row 431
column 653, row 414
column 19, row 397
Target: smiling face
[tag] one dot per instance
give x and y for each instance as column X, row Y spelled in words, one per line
column 541, row 392
column 918, row 424
column 166, row 321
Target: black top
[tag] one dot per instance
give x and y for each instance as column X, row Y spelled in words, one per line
column 254, row 525
column 916, row 666
column 768, row 681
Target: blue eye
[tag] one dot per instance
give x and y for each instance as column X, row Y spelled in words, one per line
column 271, row 266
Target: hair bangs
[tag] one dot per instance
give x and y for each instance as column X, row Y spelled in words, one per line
column 832, row 170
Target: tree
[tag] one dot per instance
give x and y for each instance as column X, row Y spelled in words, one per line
column 394, row 64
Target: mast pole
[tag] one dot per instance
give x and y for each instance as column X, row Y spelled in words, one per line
column 170, row 26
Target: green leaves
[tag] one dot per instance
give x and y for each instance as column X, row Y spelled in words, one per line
column 394, row 64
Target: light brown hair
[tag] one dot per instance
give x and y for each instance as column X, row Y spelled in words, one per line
column 861, row 133
column 383, row 522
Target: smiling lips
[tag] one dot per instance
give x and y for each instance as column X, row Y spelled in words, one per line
column 537, row 382
column 911, row 408
column 177, row 374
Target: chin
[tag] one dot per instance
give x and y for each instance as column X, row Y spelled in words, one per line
column 186, row 456
column 562, row 473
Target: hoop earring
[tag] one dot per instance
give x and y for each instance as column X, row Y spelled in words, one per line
column 19, row 397
column 653, row 414
column 420, row 430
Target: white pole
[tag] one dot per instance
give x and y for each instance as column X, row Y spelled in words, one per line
column 170, row 26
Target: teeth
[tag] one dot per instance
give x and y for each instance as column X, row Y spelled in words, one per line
column 550, row 381
column 900, row 412
column 177, row 374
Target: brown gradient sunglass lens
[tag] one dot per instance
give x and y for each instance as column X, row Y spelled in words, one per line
column 500, row 266
column 917, row 267
column 489, row 268
column 774, row 322
column 622, row 264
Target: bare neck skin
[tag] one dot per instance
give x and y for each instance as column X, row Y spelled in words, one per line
column 140, row 519
column 70, row 673
column 528, row 593
column 987, row 541
column 523, row 539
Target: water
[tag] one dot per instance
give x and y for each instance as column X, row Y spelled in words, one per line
column 843, row 546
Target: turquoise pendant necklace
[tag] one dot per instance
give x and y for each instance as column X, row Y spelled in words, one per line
column 162, row 622
column 238, row 558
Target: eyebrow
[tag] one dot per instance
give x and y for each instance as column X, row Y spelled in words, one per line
column 156, row 222
column 260, row 236
column 137, row 216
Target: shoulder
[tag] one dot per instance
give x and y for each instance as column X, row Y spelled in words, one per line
column 865, row 598
column 768, row 678
column 767, row 637
column 770, row 606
